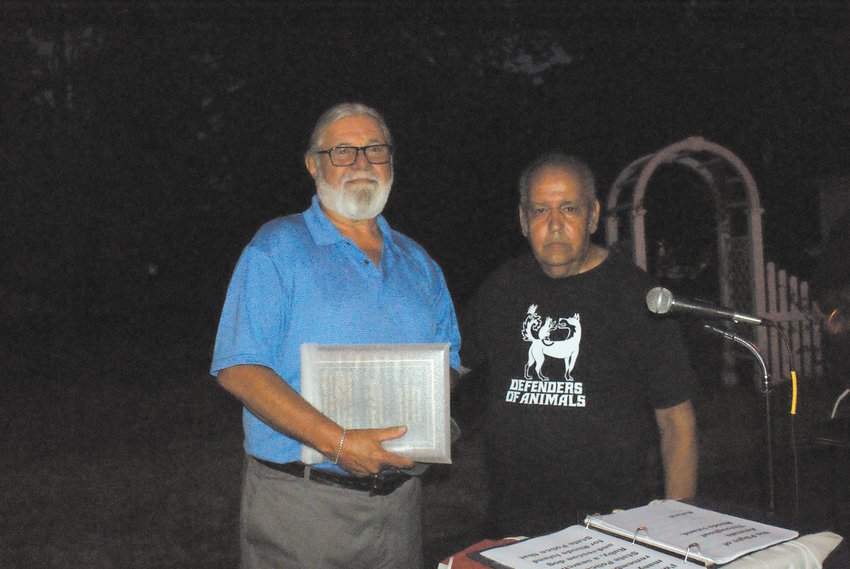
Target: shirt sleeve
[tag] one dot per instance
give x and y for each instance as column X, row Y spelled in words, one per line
column 658, row 346
column 670, row 378
column 447, row 324
column 253, row 315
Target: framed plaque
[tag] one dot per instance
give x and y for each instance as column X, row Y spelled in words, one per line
column 382, row 385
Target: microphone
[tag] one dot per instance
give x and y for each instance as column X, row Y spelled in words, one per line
column 660, row 301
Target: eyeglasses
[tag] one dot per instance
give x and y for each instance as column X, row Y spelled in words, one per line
column 347, row 155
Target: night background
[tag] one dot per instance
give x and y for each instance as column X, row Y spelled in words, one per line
column 142, row 144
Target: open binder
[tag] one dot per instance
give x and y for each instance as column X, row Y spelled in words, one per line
column 664, row 534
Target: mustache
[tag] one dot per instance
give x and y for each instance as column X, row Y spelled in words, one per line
column 360, row 175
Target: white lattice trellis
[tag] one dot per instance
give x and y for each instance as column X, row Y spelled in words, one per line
column 745, row 284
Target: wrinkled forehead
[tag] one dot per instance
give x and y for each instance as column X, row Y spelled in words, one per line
column 557, row 180
column 355, row 130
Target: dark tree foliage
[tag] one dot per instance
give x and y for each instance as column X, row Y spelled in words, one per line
column 144, row 144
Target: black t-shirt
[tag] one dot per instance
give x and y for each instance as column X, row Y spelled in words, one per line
column 574, row 368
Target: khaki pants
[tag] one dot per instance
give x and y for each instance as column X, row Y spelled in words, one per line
column 288, row 522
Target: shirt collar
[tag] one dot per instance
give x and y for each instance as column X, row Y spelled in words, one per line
column 324, row 232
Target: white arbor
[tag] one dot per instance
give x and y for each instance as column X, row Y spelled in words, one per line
column 742, row 277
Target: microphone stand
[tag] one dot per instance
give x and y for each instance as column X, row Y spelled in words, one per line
column 766, row 387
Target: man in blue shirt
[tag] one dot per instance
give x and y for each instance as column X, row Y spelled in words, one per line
column 335, row 274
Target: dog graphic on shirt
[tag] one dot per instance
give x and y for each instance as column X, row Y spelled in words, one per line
column 537, row 330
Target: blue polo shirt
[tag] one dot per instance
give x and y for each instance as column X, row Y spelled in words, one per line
column 299, row 280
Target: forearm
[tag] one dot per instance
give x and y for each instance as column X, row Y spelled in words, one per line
column 274, row 402
column 679, row 451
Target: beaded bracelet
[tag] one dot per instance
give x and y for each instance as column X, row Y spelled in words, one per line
column 339, row 446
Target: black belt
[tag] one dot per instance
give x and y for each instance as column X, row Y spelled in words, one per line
column 376, row 485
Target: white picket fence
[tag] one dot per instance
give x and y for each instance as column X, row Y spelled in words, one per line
column 788, row 304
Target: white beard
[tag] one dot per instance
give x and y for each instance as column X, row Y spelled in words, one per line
column 357, row 202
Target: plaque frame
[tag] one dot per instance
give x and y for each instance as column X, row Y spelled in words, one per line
column 382, row 385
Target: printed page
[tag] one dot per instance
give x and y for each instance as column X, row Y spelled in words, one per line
column 675, row 526
column 578, row 547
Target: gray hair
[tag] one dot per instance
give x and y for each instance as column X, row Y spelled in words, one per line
column 563, row 161
column 341, row 111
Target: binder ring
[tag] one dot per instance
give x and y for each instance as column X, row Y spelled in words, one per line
column 637, row 531
column 588, row 520
column 692, row 546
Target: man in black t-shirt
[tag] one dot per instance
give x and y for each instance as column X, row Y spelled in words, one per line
column 577, row 368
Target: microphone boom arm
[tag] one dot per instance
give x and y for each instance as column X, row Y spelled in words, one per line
column 766, row 390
